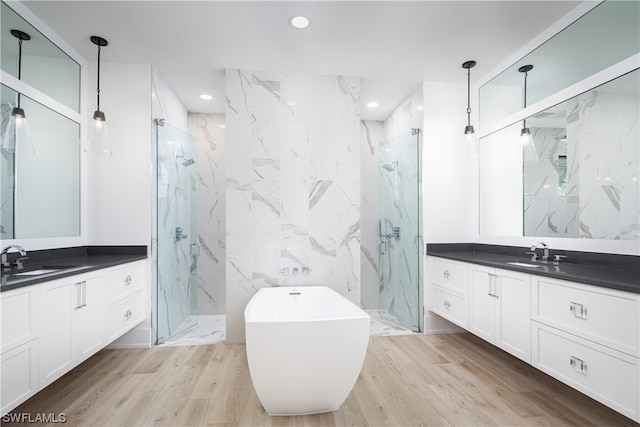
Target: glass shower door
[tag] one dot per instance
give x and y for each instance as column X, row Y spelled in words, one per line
column 398, row 229
column 177, row 233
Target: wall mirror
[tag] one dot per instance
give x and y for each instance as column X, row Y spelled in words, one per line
column 40, row 192
column 605, row 35
column 45, row 66
column 585, row 183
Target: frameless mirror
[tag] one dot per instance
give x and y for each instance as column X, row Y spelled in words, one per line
column 606, row 35
column 40, row 192
column 45, row 66
column 585, row 183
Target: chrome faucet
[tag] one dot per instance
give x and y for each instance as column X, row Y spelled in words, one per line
column 534, row 255
column 6, row 264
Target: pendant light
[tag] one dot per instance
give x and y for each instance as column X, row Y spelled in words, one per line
column 529, row 152
column 468, row 130
column 98, row 137
column 17, row 135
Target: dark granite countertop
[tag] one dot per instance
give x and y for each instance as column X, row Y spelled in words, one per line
column 621, row 272
column 69, row 262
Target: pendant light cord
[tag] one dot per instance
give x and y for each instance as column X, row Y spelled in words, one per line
column 524, row 121
column 98, row 86
column 469, row 96
column 19, row 65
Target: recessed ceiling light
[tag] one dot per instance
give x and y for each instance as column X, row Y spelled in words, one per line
column 222, row 126
column 372, row 105
column 292, row 103
column 300, row 22
column 206, row 97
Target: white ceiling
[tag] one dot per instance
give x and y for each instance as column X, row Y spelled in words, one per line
column 391, row 45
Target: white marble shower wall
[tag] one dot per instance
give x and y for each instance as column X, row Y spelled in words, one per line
column 292, row 185
column 371, row 135
column 210, row 132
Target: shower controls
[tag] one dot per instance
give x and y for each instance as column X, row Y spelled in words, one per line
column 284, row 271
column 306, row 270
column 395, row 233
column 180, row 235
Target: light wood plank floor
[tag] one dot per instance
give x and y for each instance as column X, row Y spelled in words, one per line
column 413, row 380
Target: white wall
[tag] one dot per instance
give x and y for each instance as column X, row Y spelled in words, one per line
column 449, row 165
column 119, row 185
column 449, row 179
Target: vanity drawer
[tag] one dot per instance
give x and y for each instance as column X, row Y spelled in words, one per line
column 451, row 306
column 450, row 274
column 605, row 316
column 123, row 281
column 609, row 376
column 123, row 316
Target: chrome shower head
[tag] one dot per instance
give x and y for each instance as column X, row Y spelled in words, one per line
column 390, row 167
column 185, row 161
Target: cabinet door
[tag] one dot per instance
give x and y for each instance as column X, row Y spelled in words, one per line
column 88, row 320
column 482, row 302
column 19, row 378
column 55, row 327
column 513, row 333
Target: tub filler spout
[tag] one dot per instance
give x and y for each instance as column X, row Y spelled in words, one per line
column 305, row 348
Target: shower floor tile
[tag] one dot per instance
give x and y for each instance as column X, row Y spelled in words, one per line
column 212, row 329
column 383, row 323
column 209, row 330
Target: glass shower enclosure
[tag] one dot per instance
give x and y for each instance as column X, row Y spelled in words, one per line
column 177, row 232
column 399, row 229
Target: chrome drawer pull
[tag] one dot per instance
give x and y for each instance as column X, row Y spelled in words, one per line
column 127, row 280
column 127, row 315
column 579, row 310
column 446, row 274
column 447, row 305
column 578, row 365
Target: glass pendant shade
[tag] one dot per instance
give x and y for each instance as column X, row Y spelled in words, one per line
column 17, row 136
column 98, row 138
column 529, row 152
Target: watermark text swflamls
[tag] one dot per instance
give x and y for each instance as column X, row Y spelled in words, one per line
column 26, row 417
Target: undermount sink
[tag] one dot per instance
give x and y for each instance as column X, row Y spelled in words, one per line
column 524, row 264
column 36, row 272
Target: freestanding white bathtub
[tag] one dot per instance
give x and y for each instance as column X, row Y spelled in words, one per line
column 305, row 348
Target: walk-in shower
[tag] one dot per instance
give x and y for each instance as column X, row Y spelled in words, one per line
column 398, row 229
column 177, row 247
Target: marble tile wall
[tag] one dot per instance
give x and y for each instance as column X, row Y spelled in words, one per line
column 292, row 185
column 371, row 136
column 209, row 131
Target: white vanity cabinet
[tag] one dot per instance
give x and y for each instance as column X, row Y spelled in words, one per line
column 51, row 327
column 499, row 308
column 70, row 323
column 588, row 337
column 450, row 280
column 18, row 347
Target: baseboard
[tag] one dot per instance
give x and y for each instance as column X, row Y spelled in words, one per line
column 135, row 338
column 434, row 324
